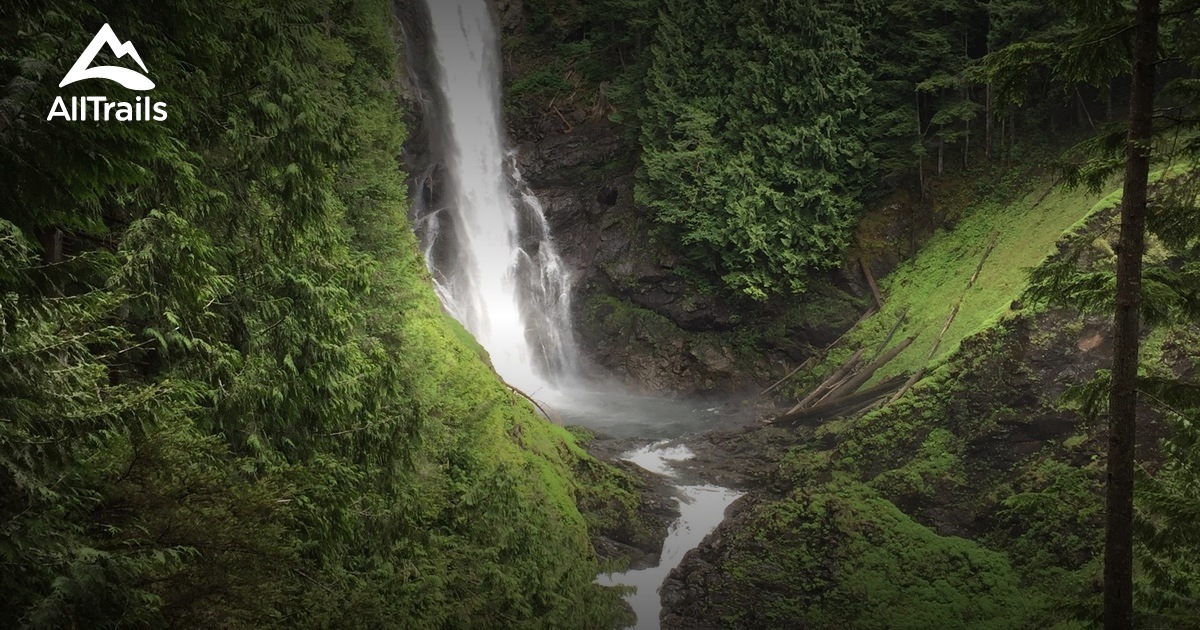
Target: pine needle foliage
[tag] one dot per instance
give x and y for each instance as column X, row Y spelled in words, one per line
column 228, row 395
column 753, row 137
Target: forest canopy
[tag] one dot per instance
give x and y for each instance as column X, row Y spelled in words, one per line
column 754, row 138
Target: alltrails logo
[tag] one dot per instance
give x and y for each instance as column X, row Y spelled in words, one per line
column 99, row 107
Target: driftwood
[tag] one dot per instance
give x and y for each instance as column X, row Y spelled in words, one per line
column 807, row 362
column 912, row 380
column 567, row 126
column 847, row 405
column 866, row 373
column 827, row 396
column 830, row 382
column 820, row 355
column 862, row 262
column 892, row 333
column 550, row 414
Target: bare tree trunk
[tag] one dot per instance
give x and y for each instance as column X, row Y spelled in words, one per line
column 52, row 245
column 920, row 158
column 1003, row 154
column 988, row 129
column 941, row 154
column 1122, row 422
column 967, row 98
column 1012, row 134
column 988, row 126
column 1084, row 114
column 1108, row 101
column 967, row 145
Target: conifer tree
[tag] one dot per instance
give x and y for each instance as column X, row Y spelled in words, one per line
column 753, row 137
column 1118, row 546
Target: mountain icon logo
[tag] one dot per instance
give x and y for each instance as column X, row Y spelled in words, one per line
column 131, row 79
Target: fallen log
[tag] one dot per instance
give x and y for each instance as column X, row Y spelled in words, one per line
column 807, row 362
column 822, row 354
column 892, row 332
column 826, row 397
column 854, row 403
column 862, row 262
column 866, row 373
column 550, row 414
column 829, row 382
column 949, row 320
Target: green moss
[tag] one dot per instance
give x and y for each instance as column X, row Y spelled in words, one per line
column 1075, row 441
column 936, row 465
column 842, row 556
column 926, row 287
column 462, row 335
column 615, row 318
column 1051, row 522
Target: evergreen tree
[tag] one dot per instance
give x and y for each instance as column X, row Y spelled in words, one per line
column 753, row 137
column 1118, row 546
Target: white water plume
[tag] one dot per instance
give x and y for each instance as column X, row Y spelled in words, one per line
column 489, row 246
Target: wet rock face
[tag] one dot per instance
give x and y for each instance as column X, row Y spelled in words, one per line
column 638, row 541
column 637, row 313
column 685, row 338
column 583, row 175
column 511, row 14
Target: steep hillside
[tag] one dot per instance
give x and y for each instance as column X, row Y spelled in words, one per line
column 228, row 394
column 976, row 500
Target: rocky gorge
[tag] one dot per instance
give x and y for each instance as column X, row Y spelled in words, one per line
column 877, row 505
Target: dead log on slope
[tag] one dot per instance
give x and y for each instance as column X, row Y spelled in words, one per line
column 822, row 354
column 547, row 411
column 830, row 382
column 949, row 320
column 852, row 385
column 845, row 406
column 862, row 262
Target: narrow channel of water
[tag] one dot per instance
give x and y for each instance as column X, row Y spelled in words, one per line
column 496, row 269
column 701, row 510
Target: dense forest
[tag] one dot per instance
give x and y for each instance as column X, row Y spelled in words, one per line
column 229, row 396
column 775, row 139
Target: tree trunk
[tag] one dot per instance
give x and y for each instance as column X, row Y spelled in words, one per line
column 52, row 245
column 1118, row 543
column 987, row 124
column 920, row 158
column 966, row 42
column 1108, row 101
column 1012, row 134
column 988, row 97
column 967, row 145
column 1003, row 153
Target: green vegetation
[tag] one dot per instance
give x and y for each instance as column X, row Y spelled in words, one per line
column 228, row 395
column 1025, row 229
column 764, row 128
column 955, row 507
column 840, row 555
column 230, row 398
column 757, row 174
column 986, row 448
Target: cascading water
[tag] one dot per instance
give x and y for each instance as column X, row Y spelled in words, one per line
column 488, row 245
column 490, row 252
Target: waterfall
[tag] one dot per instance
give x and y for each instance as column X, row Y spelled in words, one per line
column 485, row 235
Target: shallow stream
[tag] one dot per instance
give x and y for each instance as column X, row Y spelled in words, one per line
column 664, row 425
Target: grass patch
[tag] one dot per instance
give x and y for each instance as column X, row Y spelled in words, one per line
column 928, row 285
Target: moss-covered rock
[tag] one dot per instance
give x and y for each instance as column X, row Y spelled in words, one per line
column 843, row 556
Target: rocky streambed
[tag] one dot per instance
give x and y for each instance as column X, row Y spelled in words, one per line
column 691, row 486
